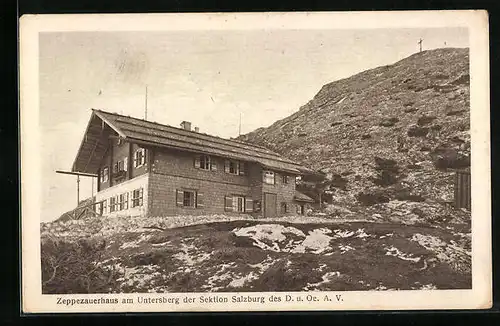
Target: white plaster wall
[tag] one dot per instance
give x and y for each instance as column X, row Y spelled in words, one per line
column 127, row 186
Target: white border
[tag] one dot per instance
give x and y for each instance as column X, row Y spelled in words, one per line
column 477, row 23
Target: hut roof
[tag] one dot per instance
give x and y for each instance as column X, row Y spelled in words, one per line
column 104, row 124
column 302, row 197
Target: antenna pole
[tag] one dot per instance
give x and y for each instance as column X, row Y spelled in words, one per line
column 239, row 128
column 146, row 105
column 77, row 190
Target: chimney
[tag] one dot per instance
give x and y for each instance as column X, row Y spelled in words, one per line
column 186, row 125
column 196, row 129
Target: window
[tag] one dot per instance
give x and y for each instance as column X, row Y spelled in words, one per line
column 189, row 198
column 205, row 162
column 238, row 204
column 120, row 166
column 137, row 197
column 123, row 201
column 268, row 177
column 104, row 208
column 234, row 167
column 284, row 207
column 139, row 157
column 112, row 204
column 285, row 179
column 104, row 174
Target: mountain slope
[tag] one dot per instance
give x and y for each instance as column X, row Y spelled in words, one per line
column 396, row 129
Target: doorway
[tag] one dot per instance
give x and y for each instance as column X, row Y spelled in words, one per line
column 270, row 201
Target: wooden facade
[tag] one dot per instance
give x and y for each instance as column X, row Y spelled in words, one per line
column 462, row 193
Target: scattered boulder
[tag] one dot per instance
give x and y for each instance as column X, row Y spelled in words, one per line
column 338, row 182
column 411, row 110
column 453, row 112
column 425, row 120
column 366, row 136
column 406, row 195
column 336, row 123
column 447, row 157
column 387, row 172
column 416, row 131
column 440, row 76
column 436, row 127
column 372, row 198
column 462, row 80
column 388, row 122
column 386, row 164
column 414, row 166
column 417, row 211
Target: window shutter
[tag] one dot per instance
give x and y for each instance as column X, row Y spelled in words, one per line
column 135, row 159
column 213, row 165
column 180, row 197
column 242, row 168
column 248, row 205
column 143, row 157
column 226, row 166
column 199, row 200
column 125, row 164
column 228, row 204
column 126, row 200
column 115, row 167
column 197, row 163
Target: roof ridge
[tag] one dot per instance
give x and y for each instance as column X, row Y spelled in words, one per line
column 194, row 132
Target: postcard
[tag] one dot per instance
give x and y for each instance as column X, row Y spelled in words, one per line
column 255, row 161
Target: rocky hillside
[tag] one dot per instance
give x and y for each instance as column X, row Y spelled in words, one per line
column 390, row 133
column 132, row 254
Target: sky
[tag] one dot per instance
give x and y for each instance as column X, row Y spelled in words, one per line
column 206, row 77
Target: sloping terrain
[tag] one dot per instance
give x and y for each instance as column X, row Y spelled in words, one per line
column 393, row 132
column 218, row 253
column 387, row 140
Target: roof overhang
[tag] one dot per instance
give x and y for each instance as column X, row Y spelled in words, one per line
column 300, row 197
column 94, row 144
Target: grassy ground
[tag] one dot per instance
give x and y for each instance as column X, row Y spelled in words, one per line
column 279, row 256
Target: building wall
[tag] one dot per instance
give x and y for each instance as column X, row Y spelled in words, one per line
column 163, row 191
column 172, row 170
column 166, row 171
column 116, row 153
column 180, row 163
column 285, row 192
column 127, row 186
